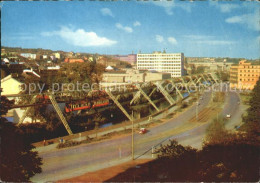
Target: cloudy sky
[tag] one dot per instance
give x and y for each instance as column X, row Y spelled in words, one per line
column 210, row 28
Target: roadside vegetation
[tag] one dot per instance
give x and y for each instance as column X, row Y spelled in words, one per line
column 18, row 161
column 225, row 156
column 219, row 97
column 245, row 97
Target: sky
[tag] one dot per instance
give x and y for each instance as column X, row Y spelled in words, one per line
column 197, row 29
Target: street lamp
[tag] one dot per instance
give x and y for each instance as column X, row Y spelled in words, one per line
column 133, row 135
column 197, row 110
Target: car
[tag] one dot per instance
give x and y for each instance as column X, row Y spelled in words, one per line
column 142, row 131
column 201, row 98
column 228, row 115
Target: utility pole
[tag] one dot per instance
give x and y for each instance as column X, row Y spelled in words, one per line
column 133, row 135
column 197, row 110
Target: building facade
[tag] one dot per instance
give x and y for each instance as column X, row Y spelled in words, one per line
column 57, row 55
column 244, row 75
column 133, row 76
column 172, row 63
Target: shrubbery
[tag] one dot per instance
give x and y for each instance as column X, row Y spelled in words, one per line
column 68, row 144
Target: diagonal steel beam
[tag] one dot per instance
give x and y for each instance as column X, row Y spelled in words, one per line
column 176, row 88
column 198, row 80
column 115, row 99
column 204, row 78
column 185, row 84
column 152, row 92
column 60, row 114
column 136, row 96
column 191, row 80
column 147, row 98
column 213, row 77
column 26, row 111
column 165, row 93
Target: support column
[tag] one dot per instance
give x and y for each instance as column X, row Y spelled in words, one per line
column 26, row 111
column 62, row 118
column 176, row 88
column 136, row 96
column 185, row 84
column 165, row 93
column 192, row 80
column 115, row 99
column 152, row 92
column 202, row 75
column 213, row 77
column 198, row 80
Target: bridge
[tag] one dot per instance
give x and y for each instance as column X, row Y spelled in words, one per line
column 168, row 88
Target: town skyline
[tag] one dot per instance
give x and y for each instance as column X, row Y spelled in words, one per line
column 198, row 29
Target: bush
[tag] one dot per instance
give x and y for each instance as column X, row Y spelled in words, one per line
column 68, row 144
column 184, row 105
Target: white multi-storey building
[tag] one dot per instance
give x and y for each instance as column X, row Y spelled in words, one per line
column 162, row 62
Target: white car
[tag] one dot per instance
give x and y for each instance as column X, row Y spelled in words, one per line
column 228, row 116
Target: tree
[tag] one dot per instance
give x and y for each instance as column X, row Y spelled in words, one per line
column 18, row 162
column 252, row 120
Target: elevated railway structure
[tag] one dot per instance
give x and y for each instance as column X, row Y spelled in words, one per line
column 168, row 88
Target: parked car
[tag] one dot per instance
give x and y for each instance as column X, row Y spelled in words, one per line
column 142, row 131
column 228, row 115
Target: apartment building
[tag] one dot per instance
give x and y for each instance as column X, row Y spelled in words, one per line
column 244, row 75
column 172, row 63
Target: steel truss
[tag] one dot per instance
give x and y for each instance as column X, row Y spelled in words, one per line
column 137, row 90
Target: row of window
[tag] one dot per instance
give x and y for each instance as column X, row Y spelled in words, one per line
column 159, row 55
column 164, row 65
column 157, row 58
column 249, row 75
column 248, row 67
column 161, row 68
column 247, row 79
column 151, row 62
column 249, row 71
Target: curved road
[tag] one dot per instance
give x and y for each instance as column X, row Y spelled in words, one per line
column 75, row 161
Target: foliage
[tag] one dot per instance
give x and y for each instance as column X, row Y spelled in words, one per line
column 80, row 72
column 216, row 132
column 5, row 105
column 234, row 160
column 219, row 97
column 224, row 76
column 68, row 144
column 184, row 105
column 198, row 70
column 254, row 109
column 18, row 161
column 252, row 120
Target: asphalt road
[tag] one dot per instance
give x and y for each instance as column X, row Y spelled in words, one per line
column 71, row 162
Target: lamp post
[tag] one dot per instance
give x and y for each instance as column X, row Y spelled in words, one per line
column 197, row 110
column 133, row 135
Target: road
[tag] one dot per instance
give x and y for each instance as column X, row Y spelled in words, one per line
column 71, row 162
